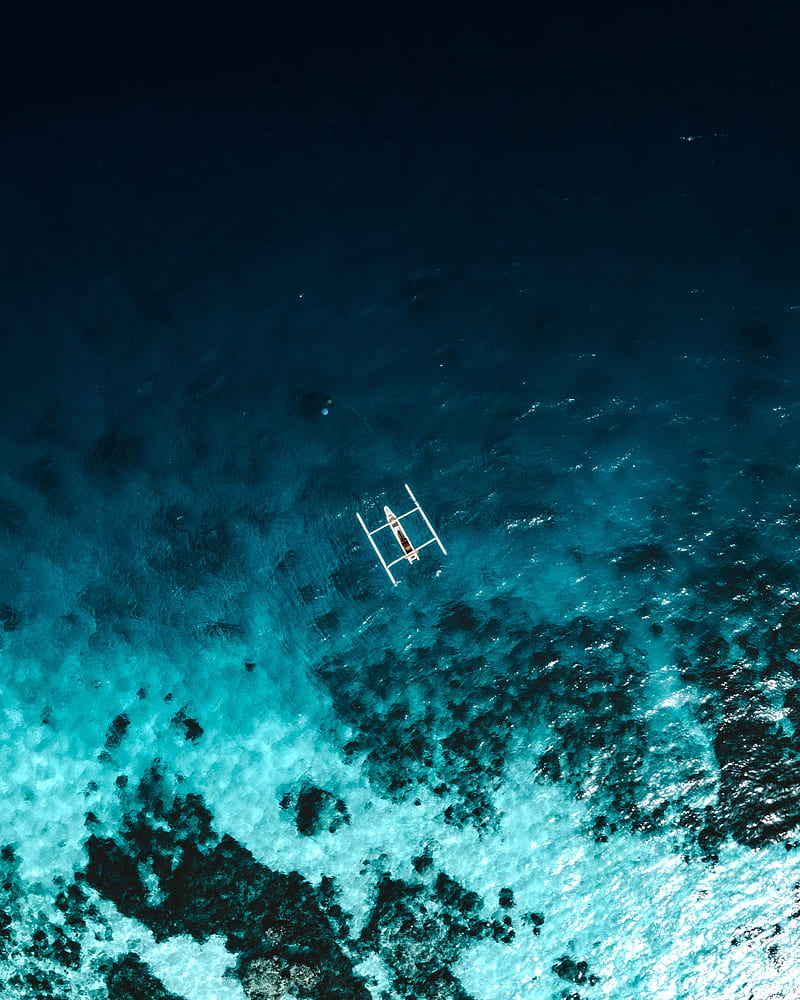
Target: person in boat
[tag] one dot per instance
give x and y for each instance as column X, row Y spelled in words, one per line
column 400, row 535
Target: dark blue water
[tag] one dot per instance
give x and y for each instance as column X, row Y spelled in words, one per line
column 254, row 277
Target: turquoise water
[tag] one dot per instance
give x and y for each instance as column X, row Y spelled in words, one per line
column 561, row 760
column 550, row 709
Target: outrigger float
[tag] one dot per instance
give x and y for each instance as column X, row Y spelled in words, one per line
column 410, row 552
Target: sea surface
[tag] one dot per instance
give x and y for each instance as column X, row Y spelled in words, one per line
column 239, row 306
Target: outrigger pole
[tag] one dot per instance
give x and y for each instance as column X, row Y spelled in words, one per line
column 425, row 519
column 410, row 552
column 377, row 550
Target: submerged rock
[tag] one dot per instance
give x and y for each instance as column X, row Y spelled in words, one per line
column 73, row 903
column 420, row 931
column 317, row 810
column 116, row 731
column 549, row 766
column 759, row 789
column 9, row 897
column 192, row 730
column 115, row 874
column 536, row 920
column 54, row 945
column 130, row 979
column 574, row 972
column 41, row 960
column 207, row 884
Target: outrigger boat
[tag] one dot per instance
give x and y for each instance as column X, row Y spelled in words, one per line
column 410, row 552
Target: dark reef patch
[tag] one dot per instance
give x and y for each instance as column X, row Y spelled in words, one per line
column 536, row 920
column 192, row 730
column 583, row 679
column 574, row 972
column 114, row 873
column 420, row 930
column 316, row 810
column 505, row 898
column 207, row 884
column 43, row 958
column 169, row 869
column 9, row 896
column 74, row 904
column 759, row 790
column 741, row 678
column 490, row 671
column 53, row 944
column 116, row 731
column 402, row 759
column 130, row 979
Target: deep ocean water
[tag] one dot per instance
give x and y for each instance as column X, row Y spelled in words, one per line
column 561, row 761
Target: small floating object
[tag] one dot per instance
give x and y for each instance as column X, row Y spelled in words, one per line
column 410, row 551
